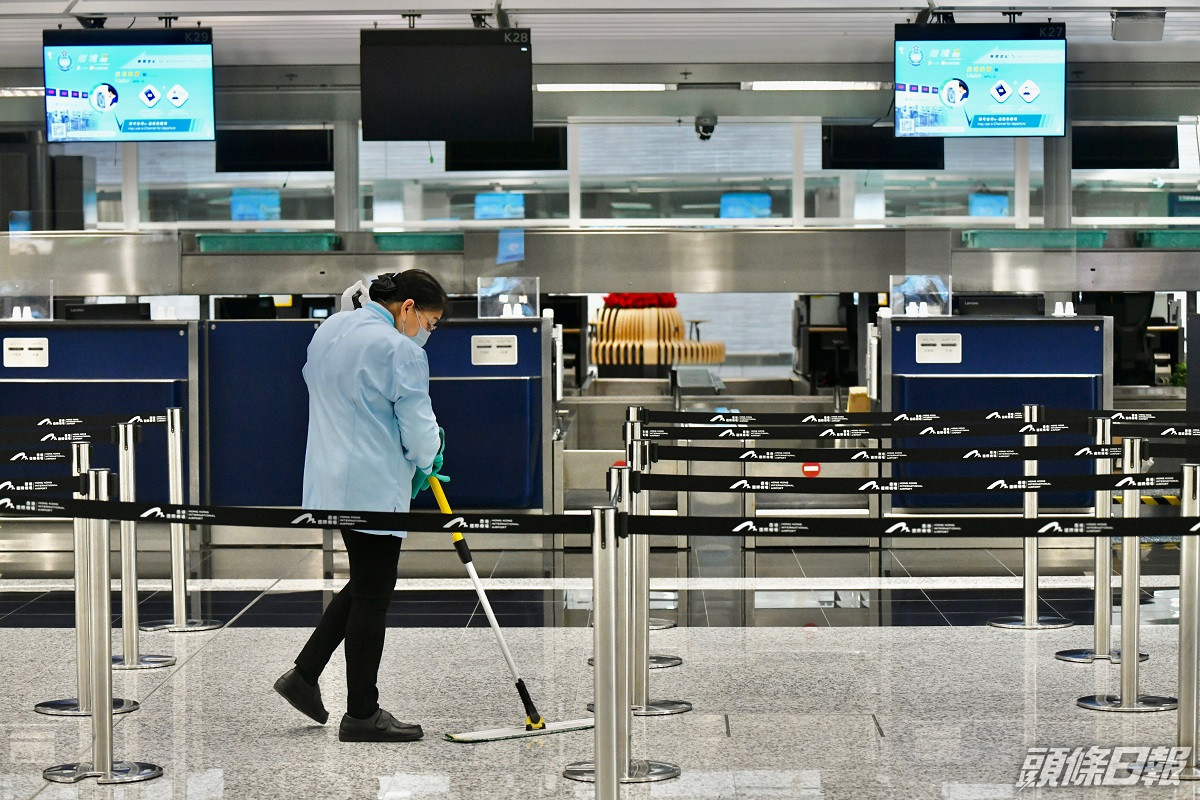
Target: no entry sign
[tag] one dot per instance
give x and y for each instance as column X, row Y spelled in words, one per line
column 811, row 469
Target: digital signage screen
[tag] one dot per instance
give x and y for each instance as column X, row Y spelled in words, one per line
column 745, row 205
column 500, row 205
column 473, row 84
column 128, row 85
column 981, row 80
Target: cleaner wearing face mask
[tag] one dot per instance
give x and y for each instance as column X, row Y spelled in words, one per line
column 371, row 430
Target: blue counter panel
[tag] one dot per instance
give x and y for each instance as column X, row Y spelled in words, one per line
column 65, row 400
column 91, row 351
column 1006, row 363
column 100, row 369
column 450, row 348
column 997, row 346
column 257, row 410
column 258, row 413
column 493, row 427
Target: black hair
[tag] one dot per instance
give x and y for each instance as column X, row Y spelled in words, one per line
column 415, row 284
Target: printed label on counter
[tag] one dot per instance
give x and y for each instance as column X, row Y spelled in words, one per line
column 939, row 348
column 495, row 351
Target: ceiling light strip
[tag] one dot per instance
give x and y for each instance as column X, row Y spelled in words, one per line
column 816, row 86
column 604, row 87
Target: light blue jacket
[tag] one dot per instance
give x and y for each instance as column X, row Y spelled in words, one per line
column 370, row 421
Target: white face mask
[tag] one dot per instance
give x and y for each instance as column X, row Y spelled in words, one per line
column 422, row 335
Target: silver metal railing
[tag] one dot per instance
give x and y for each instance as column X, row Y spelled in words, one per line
column 1129, row 700
column 99, row 631
column 179, row 622
column 131, row 655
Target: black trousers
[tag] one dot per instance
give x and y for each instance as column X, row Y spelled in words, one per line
column 358, row 615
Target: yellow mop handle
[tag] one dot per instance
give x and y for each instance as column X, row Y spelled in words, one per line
column 443, row 503
column 533, row 720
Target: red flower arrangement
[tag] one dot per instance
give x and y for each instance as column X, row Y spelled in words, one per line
column 640, row 300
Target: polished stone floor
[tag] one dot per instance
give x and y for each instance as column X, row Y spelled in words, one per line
column 816, row 674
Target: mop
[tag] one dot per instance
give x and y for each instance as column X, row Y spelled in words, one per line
column 535, row 724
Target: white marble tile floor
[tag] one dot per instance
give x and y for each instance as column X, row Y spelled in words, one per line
column 821, row 714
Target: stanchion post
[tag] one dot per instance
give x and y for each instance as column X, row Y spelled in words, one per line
column 81, row 706
column 81, row 462
column 604, row 769
column 1129, row 700
column 1101, row 648
column 611, row 563
column 102, row 766
column 131, row 651
column 637, row 453
column 1029, row 619
column 1189, row 624
column 639, row 596
column 179, row 622
column 637, row 449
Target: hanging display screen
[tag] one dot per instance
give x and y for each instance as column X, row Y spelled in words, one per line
column 981, row 80
column 128, row 85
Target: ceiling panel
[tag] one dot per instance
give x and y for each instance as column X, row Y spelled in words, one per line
column 592, row 31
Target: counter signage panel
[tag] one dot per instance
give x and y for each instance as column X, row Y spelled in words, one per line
column 128, row 85
column 981, row 80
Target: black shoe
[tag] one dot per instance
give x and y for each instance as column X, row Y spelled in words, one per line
column 379, row 727
column 304, row 697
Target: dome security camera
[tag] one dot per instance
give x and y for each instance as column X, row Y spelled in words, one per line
column 705, row 125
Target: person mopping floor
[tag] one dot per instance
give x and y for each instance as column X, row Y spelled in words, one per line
column 371, row 429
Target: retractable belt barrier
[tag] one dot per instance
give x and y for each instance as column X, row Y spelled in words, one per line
column 831, row 455
column 34, row 437
column 90, row 421
column 240, row 516
column 35, row 454
column 649, row 416
column 934, row 526
column 27, row 504
column 904, row 430
column 715, row 483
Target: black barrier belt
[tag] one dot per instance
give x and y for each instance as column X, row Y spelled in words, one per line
column 1155, row 430
column 892, row 417
column 22, row 503
column 840, row 455
column 905, row 430
column 1174, row 450
column 90, row 421
column 46, row 437
column 842, row 527
column 34, row 455
column 867, row 418
column 41, row 485
column 1074, row 483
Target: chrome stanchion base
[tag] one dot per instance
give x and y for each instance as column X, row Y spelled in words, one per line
column 656, row 662
column 662, row 708
column 641, row 771
column 191, row 626
column 122, row 772
column 656, row 708
column 144, row 662
column 70, row 708
column 1089, row 656
column 659, row 624
column 1112, row 702
column 1018, row 623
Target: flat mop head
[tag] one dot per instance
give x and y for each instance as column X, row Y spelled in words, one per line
column 500, row 734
